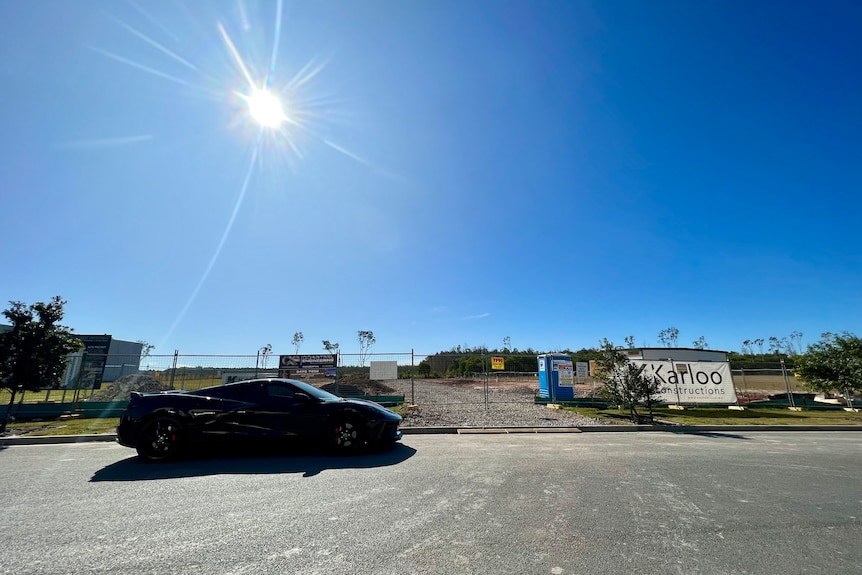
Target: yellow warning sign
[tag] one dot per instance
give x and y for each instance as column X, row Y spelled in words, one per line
column 498, row 363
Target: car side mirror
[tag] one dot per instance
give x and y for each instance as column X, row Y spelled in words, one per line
column 302, row 397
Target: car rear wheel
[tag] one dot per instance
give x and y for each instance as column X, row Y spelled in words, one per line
column 160, row 439
column 347, row 435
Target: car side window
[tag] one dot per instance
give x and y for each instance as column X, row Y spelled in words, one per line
column 281, row 390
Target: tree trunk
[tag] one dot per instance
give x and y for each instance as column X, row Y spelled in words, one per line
column 8, row 412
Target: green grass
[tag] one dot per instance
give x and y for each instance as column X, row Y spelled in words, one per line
column 724, row 416
column 72, row 426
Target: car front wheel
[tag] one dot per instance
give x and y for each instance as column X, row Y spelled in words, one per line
column 160, row 439
column 347, row 435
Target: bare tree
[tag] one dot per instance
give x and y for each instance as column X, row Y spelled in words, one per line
column 630, row 341
column 330, row 347
column 774, row 345
column 298, row 338
column 700, row 343
column 366, row 340
column 669, row 337
column 507, row 343
column 759, row 343
column 146, row 349
column 796, row 342
column 746, row 347
column 264, row 353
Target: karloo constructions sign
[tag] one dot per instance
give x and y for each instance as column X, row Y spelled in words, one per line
column 691, row 382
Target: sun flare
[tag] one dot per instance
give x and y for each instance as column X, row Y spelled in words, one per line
column 265, row 109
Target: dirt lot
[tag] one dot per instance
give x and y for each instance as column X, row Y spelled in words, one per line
column 512, row 401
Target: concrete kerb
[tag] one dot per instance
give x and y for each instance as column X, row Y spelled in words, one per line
column 690, row 429
column 48, row 439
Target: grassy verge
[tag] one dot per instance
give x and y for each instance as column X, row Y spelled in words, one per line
column 74, row 426
column 719, row 416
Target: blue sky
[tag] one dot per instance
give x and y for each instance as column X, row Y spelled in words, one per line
column 451, row 172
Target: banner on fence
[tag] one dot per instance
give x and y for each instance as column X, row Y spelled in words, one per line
column 382, row 370
column 691, row 382
column 307, row 365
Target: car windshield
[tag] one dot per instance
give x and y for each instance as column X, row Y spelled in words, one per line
column 313, row 391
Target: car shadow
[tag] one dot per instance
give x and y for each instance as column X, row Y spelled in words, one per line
column 242, row 460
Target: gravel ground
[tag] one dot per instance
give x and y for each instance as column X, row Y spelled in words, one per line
column 462, row 403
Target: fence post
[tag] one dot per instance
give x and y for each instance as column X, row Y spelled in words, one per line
column 787, row 383
column 412, row 380
column 174, row 367
column 485, row 373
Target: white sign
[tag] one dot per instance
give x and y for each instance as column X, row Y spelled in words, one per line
column 691, row 382
column 566, row 372
column 582, row 369
column 384, row 370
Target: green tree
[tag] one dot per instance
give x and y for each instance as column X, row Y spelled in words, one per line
column 832, row 364
column 366, row 340
column 33, row 353
column 424, row 368
column 624, row 383
column 700, row 343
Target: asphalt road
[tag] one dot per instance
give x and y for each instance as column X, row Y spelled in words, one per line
column 522, row 504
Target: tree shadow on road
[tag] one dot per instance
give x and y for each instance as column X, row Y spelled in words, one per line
column 701, row 433
column 242, row 460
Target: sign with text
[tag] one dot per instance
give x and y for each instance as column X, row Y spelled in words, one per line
column 307, row 365
column 582, row 369
column 498, row 363
column 691, row 382
column 96, row 348
column 566, row 372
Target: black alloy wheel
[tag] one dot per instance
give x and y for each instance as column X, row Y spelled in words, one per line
column 347, row 435
column 160, row 439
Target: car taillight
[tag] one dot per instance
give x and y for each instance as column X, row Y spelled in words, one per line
column 135, row 397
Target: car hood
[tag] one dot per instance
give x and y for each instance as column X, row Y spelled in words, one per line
column 376, row 407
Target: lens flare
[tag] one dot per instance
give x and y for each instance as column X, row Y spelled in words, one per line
column 282, row 116
column 265, row 109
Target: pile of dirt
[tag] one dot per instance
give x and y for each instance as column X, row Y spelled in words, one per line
column 121, row 390
column 353, row 385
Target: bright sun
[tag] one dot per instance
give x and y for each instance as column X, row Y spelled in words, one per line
column 265, row 109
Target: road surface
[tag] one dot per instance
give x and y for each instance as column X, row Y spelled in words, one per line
column 585, row 503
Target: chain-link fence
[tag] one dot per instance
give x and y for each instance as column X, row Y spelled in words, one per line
column 472, row 384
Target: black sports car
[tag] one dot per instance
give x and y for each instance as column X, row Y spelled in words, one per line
column 161, row 425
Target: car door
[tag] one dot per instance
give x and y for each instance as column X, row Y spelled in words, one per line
column 229, row 413
column 280, row 411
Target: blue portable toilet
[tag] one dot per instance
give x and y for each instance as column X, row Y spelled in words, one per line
column 556, row 376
